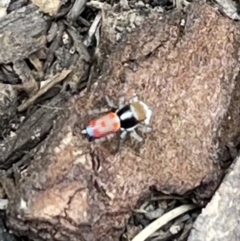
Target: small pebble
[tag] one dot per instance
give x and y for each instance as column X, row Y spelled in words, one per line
column 138, row 20
column 159, row 9
column 174, row 229
column 139, row 4
column 118, row 37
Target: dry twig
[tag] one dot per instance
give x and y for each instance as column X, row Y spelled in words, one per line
column 51, row 82
column 77, row 9
column 92, row 30
column 158, row 223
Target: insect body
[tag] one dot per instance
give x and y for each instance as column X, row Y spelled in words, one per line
column 103, row 126
column 126, row 119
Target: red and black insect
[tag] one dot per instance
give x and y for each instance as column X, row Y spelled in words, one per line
column 126, row 119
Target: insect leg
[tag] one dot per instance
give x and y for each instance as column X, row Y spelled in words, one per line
column 149, row 115
column 144, row 129
column 97, row 111
column 99, row 140
column 123, row 135
column 136, row 136
column 110, row 102
column 121, row 102
column 134, row 98
column 110, row 136
column 121, row 140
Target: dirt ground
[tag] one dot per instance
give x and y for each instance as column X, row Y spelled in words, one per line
column 59, row 61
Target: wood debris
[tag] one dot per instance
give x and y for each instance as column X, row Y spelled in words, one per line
column 24, row 32
column 51, row 7
column 3, row 7
column 50, row 83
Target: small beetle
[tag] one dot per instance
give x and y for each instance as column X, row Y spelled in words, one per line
column 126, row 118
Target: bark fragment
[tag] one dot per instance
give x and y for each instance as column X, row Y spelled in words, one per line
column 8, row 107
column 23, row 32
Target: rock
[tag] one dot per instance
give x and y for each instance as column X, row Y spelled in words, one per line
column 221, row 217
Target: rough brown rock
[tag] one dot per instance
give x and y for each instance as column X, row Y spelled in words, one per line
column 77, row 191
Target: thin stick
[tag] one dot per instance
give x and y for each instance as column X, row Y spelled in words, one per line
column 50, row 83
column 76, row 9
column 92, row 30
